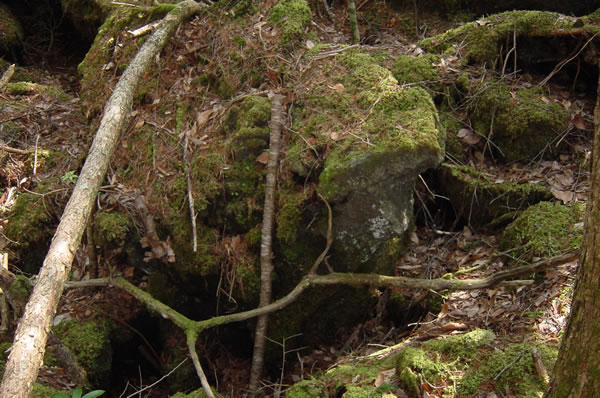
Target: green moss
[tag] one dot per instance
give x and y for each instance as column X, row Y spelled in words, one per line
column 422, row 69
column 520, row 377
column 307, row 389
column 43, row 391
column 248, row 127
column 289, row 216
column 30, row 221
column 461, row 346
column 90, row 343
column 95, row 70
column 190, row 264
column 21, row 288
column 544, row 230
column 111, row 229
column 413, row 364
column 481, row 201
column 520, row 124
column 480, row 41
column 199, row 393
column 291, row 16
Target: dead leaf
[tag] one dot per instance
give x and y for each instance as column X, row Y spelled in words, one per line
column 563, row 196
column 385, row 377
column 337, row 87
column 263, row 158
column 579, row 122
column 310, row 44
column 462, row 133
column 139, row 124
column 203, row 117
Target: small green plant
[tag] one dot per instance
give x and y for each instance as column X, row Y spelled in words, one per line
column 69, row 177
column 77, row 394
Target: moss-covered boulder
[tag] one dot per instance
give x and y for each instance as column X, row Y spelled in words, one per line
column 422, row 70
column 378, row 137
column 89, row 341
column 87, row 15
column 544, row 230
column 11, row 33
column 480, row 202
column 521, row 124
column 248, row 127
column 291, row 16
column 481, row 41
column 31, row 225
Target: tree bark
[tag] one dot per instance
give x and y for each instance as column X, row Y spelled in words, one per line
column 30, row 338
column 577, row 367
column 266, row 252
column 353, row 21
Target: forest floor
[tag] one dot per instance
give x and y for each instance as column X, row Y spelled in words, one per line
column 48, row 121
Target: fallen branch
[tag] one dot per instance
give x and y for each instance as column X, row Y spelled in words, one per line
column 266, row 252
column 6, row 76
column 30, row 338
column 373, row 280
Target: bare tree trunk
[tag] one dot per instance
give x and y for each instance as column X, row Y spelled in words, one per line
column 353, row 21
column 577, row 368
column 30, row 338
column 266, row 252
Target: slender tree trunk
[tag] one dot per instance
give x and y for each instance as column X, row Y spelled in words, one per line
column 353, row 21
column 266, row 252
column 577, row 370
column 30, row 338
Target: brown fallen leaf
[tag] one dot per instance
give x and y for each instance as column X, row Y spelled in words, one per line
column 563, row 196
column 263, row 158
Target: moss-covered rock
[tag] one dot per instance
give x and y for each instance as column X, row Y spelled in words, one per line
column 111, row 229
column 544, row 230
column 481, row 202
column 423, row 69
column 519, row 124
column 112, row 48
column 30, row 227
column 11, row 33
column 248, row 127
column 87, row 15
column 291, row 16
column 480, row 41
column 369, row 171
column 90, row 343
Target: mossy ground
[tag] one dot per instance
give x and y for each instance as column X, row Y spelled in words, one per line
column 469, row 362
column 544, row 230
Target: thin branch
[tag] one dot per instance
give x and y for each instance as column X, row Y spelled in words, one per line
column 266, row 252
column 561, row 64
column 188, row 178
column 315, row 266
column 191, row 342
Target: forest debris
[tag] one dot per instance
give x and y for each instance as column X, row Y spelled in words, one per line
column 144, row 29
column 6, row 76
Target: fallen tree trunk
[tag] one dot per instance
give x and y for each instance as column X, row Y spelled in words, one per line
column 30, row 338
